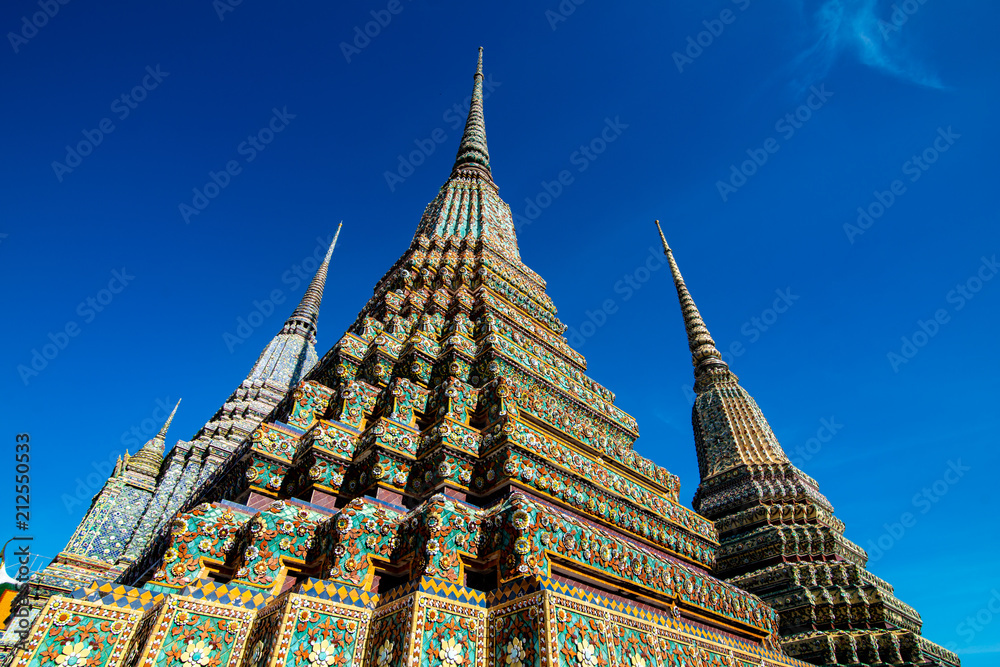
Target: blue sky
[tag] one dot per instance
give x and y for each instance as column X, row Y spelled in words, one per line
column 755, row 131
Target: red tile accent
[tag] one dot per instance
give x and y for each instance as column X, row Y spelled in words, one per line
column 257, row 501
column 389, row 496
column 323, row 499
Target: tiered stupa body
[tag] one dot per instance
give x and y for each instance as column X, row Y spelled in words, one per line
column 446, row 487
column 778, row 535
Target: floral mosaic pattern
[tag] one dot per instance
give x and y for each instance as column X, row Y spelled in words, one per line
column 356, row 400
column 309, row 402
column 631, row 647
column 436, row 534
column 392, row 436
column 198, row 634
column 525, row 531
column 316, row 633
column 333, row 439
column 585, row 497
column 322, row 640
column 577, row 390
column 464, row 440
column 359, row 533
column 263, row 636
column 274, row 441
column 579, row 640
column 516, row 635
column 266, row 474
column 377, row 467
column 441, row 467
column 582, row 466
column 404, row 400
column 79, row 634
column 318, row 473
column 448, row 633
column 280, row 534
column 454, row 400
column 206, row 534
column 389, row 636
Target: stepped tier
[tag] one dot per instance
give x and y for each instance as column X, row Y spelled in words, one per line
column 429, row 621
column 373, row 582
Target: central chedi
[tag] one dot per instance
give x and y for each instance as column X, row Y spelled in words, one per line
column 445, row 487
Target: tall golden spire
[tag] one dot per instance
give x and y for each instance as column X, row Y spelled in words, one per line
column 473, row 155
column 468, row 205
column 704, row 354
column 306, row 315
column 162, row 435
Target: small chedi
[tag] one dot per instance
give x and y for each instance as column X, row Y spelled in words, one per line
column 778, row 537
column 447, row 487
column 146, row 490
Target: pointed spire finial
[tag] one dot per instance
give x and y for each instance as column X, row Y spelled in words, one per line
column 303, row 320
column 148, row 459
column 663, row 239
column 704, row 355
column 162, row 435
column 473, row 155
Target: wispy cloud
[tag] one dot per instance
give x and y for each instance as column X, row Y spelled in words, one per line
column 860, row 29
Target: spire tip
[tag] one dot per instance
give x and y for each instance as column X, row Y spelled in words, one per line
column 473, row 156
column 333, row 244
column 305, row 316
column 166, row 425
column 663, row 239
column 704, row 354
